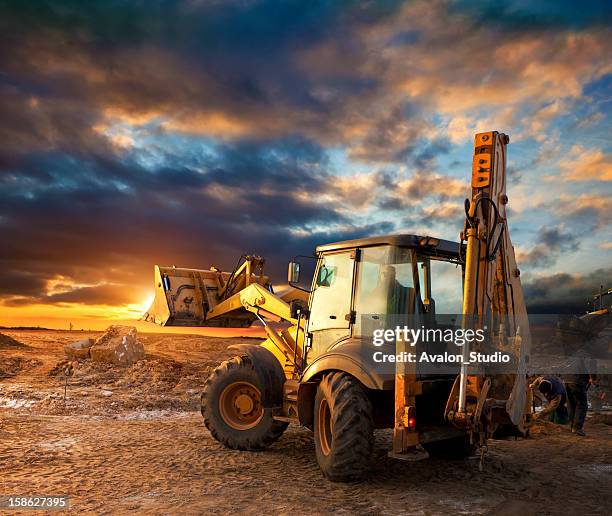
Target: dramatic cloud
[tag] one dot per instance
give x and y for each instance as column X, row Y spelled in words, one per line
column 590, row 209
column 113, row 295
column 551, row 242
column 586, row 165
column 406, row 193
column 564, row 293
column 190, row 132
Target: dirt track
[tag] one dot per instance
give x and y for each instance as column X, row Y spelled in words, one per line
column 133, row 440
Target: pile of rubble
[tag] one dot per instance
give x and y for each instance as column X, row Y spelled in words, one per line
column 12, row 366
column 7, row 342
column 118, row 345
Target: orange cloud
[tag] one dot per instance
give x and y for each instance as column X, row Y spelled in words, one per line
column 217, row 124
column 355, row 191
column 431, row 184
column 474, row 76
column 583, row 164
column 449, row 211
column 595, row 207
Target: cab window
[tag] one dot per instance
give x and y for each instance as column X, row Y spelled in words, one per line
column 385, row 286
column 331, row 299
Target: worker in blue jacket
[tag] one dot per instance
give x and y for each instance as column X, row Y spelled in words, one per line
column 553, row 390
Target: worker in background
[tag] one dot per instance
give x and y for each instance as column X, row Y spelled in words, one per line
column 576, row 389
column 596, row 395
column 553, row 390
column 576, row 385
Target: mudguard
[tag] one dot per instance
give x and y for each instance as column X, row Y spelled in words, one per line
column 269, row 371
column 346, row 356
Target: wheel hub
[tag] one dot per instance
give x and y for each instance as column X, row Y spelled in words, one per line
column 244, row 404
column 240, row 405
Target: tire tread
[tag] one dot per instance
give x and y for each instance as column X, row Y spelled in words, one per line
column 235, row 440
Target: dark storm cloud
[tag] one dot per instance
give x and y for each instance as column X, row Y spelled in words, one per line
column 564, row 293
column 74, row 205
column 392, row 137
column 177, row 59
column 113, row 295
column 17, row 282
column 87, row 218
column 134, row 133
column 29, row 126
column 528, row 15
column 551, row 243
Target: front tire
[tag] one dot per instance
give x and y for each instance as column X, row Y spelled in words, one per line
column 233, row 410
column 343, row 428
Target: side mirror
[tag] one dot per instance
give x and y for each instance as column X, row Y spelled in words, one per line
column 293, row 274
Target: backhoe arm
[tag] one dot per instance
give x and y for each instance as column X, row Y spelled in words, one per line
column 492, row 293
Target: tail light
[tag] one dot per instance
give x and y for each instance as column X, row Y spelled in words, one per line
column 409, row 418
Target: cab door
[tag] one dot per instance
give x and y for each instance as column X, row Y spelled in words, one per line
column 330, row 308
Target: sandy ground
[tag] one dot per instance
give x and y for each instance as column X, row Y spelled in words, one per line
column 133, row 439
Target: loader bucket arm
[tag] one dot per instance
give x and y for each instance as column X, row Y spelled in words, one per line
column 285, row 344
column 183, row 297
column 198, row 297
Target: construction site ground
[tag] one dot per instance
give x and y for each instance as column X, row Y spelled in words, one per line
column 133, row 439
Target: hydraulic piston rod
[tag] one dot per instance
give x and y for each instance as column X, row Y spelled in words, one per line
column 471, row 273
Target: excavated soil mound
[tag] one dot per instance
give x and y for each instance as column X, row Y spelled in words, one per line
column 12, row 366
column 153, row 383
column 7, row 342
column 154, row 373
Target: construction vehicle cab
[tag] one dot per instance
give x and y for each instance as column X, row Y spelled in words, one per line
column 318, row 368
column 359, row 285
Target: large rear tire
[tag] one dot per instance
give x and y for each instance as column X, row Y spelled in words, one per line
column 343, row 428
column 232, row 407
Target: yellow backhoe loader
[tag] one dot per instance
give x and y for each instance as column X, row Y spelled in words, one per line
column 319, row 368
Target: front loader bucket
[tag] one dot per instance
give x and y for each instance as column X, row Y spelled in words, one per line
column 183, row 297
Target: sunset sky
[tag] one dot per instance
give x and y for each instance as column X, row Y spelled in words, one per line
column 186, row 133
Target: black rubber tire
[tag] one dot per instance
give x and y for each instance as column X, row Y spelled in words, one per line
column 352, row 428
column 257, row 438
column 454, row 449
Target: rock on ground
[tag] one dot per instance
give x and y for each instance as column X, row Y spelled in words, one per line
column 79, row 350
column 118, row 345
